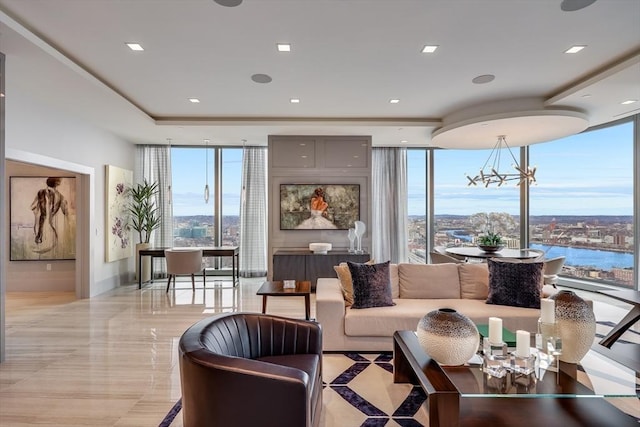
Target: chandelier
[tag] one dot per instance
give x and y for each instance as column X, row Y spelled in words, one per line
column 490, row 172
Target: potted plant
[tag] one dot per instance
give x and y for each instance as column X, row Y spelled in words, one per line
column 144, row 218
column 491, row 242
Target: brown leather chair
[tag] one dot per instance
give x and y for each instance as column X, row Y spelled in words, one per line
column 250, row 370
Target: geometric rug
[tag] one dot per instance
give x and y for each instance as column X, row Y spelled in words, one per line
column 358, row 392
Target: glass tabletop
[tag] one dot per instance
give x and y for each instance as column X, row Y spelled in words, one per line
column 595, row 376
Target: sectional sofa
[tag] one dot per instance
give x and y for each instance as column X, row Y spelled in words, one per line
column 416, row 289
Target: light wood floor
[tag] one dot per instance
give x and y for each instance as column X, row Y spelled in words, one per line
column 112, row 360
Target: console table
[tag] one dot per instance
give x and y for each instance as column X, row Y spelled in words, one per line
column 305, row 265
column 218, row 251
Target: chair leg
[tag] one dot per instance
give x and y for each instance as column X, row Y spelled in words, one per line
column 193, row 282
column 169, row 282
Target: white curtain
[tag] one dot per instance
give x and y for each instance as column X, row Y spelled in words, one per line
column 389, row 205
column 153, row 163
column 253, row 213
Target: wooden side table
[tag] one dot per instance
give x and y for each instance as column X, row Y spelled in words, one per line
column 276, row 289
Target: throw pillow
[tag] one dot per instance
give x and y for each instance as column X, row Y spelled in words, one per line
column 474, row 280
column 514, row 282
column 344, row 275
column 371, row 285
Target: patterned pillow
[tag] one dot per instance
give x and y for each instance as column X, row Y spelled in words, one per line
column 371, row 285
column 344, row 275
column 514, row 282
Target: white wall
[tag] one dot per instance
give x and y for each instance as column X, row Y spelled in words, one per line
column 58, row 139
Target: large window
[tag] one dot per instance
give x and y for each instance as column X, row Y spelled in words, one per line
column 416, row 205
column 195, row 221
column 582, row 207
column 463, row 212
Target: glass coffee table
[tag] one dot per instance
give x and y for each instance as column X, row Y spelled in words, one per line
column 575, row 395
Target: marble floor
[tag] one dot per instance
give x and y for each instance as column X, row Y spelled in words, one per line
column 112, row 360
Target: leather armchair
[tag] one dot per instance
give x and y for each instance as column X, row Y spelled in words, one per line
column 249, row 370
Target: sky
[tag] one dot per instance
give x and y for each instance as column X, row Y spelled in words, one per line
column 585, row 174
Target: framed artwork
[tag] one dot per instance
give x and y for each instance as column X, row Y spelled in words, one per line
column 319, row 206
column 117, row 231
column 42, row 218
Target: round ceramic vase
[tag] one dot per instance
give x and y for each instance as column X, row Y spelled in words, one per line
column 575, row 324
column 448, row 337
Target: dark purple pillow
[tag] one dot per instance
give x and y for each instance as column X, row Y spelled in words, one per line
column 371, row 285
column 516, row 283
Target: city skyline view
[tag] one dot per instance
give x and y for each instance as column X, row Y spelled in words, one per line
column 588, row 173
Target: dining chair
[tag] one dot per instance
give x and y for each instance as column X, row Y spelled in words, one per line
column 438, row 258
column 443, row 251
column 552, row 267
column 183, row 261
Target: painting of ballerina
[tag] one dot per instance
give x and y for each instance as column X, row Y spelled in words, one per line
column 42, row 218
column 319, row 206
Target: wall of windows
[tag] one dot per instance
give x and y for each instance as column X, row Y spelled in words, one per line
column 195, row 221
column 462, row 212
column 582, row 206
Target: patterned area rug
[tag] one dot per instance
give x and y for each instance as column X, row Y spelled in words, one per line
column 359, row 391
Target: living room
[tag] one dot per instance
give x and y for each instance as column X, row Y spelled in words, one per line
column 61, row 117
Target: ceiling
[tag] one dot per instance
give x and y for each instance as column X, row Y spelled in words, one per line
column 348, row 59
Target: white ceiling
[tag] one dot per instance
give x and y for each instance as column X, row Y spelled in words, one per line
column 348, row 59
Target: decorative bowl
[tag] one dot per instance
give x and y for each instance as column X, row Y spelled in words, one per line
column 320, row 248
column 491, row 248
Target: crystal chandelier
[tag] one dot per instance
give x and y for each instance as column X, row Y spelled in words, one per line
column 489, row 174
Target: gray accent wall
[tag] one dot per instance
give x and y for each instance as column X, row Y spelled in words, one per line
column 316, row 160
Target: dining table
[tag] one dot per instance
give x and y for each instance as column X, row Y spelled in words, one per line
column 477, row 253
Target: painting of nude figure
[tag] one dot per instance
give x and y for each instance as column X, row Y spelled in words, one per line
column 319, row 206
column 42, row 218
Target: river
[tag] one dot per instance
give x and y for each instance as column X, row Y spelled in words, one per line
column 604, row 260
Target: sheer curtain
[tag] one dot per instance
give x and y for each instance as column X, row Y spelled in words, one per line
column 153, row 163
column 389, row 204
column 253, row 213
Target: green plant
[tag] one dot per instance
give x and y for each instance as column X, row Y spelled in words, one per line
column 143, row 213
column 490, row 239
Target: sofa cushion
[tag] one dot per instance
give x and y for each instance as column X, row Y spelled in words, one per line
column 371, row 285
column 474, row 280
column 514, row 282
column 405, row 315
column 344, row 275
column 429, row 281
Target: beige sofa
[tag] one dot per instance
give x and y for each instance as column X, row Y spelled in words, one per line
column 416, row 290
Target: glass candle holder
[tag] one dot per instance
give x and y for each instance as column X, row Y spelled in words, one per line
column 496, row 361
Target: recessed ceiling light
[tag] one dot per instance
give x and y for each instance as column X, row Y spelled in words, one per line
column 404, row 141
column 586, row 95
column 575, row 49
column 284, row 47
column 228, row 3
column 194, row 100
column 485, row 78
column 294, row 101
column 429, row 48
column 394, row 101
column 573, row 5
column 135, row 46
column 629, row 101
column 261, row 78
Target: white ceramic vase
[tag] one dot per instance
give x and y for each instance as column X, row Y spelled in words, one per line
column 575, row 324
column 448, row 337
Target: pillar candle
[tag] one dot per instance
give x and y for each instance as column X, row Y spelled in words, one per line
column 523, row 343
column 495, row 330
column 547, row 310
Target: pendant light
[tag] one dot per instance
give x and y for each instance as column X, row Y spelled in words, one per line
column 206, row 173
